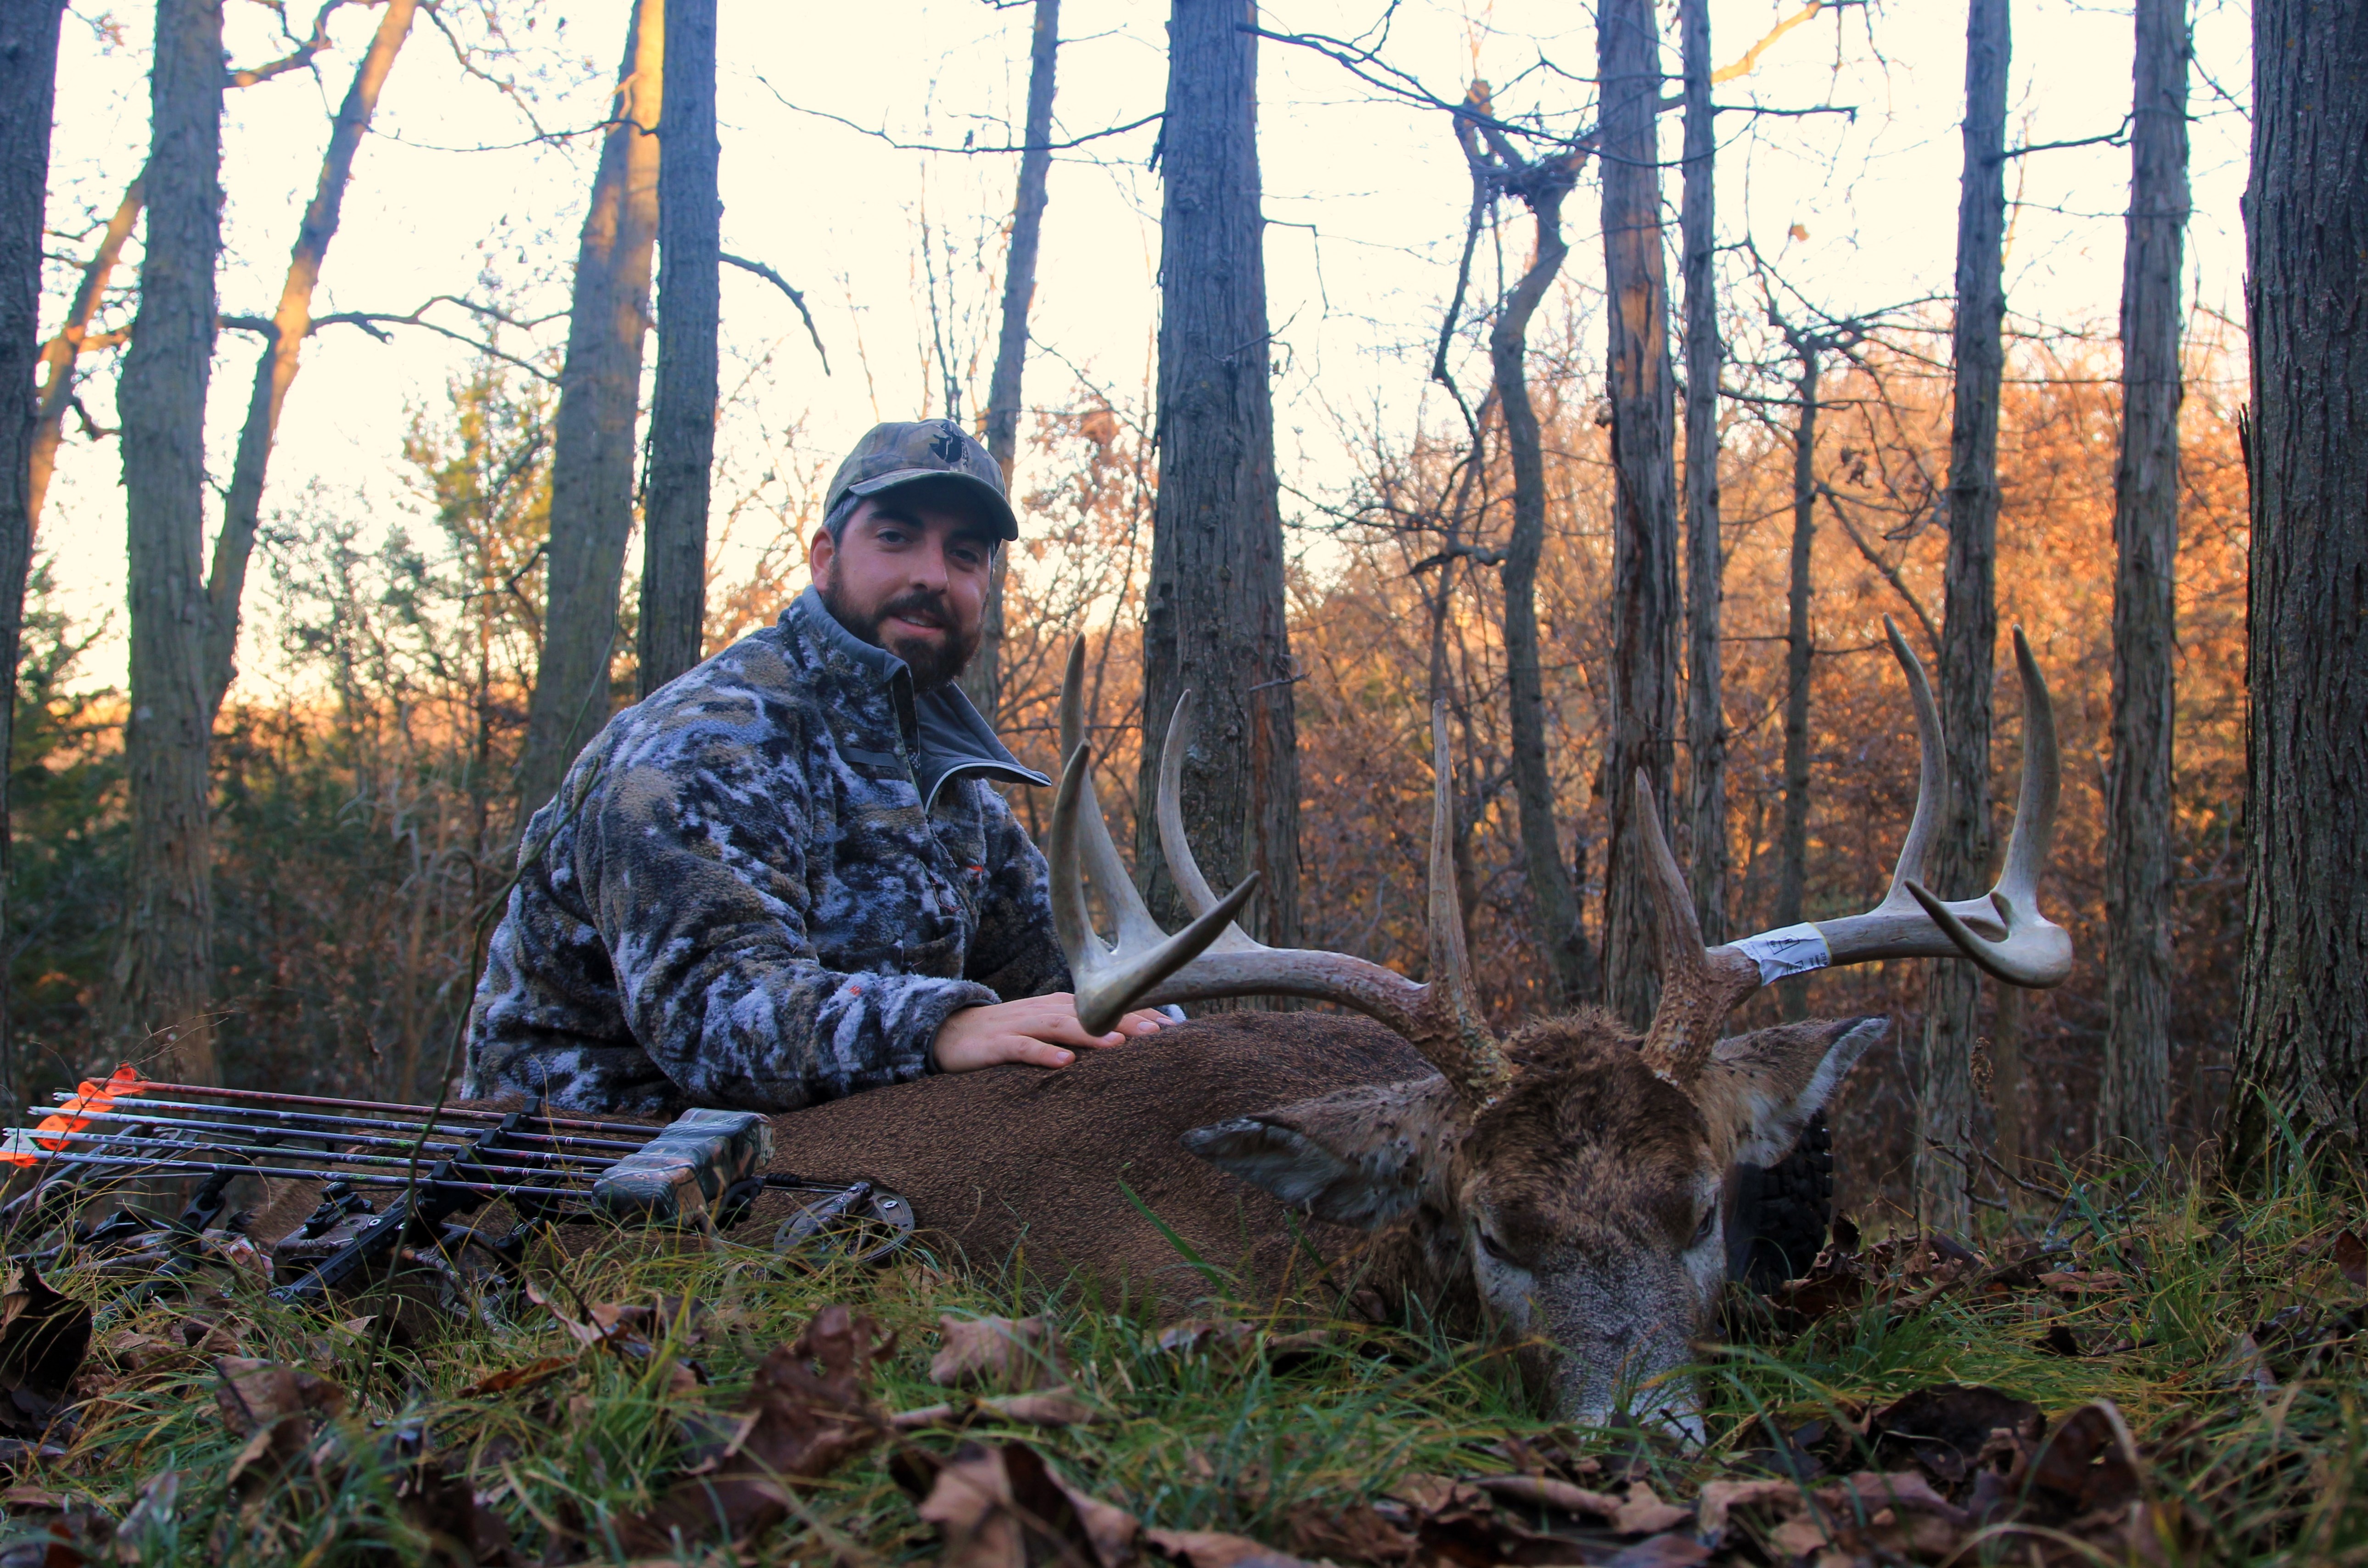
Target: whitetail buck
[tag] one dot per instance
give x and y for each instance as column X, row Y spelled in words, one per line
column 1567, row 1183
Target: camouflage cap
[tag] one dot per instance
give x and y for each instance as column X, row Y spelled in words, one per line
column 900, row 453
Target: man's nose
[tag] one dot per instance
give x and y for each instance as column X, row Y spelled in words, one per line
column 928, row 567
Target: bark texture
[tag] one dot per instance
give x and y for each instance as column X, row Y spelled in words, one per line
column 592, row 431
column 1214, row 620
column 1705, row 554
column 168, row 954
column 984, row 679
column 1793, row 838
column 2302, row 1050
column 62, row 353
column 275, row 371
column 28, row 73
column 1553, row 897
column 2140, row 890
column 682, row 406
column 1969, row 620
column 1645, row 607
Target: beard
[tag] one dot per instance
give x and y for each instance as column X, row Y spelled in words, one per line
column 935, row 661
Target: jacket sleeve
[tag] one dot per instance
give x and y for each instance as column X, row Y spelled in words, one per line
column 1015, row 953
column 694, row 866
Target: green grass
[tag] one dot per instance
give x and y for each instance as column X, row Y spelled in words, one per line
column 1212, row 1442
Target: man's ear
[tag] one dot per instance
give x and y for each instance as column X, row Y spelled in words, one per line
column 1779, row 1077
column 819, row 550
column 1359, row 1157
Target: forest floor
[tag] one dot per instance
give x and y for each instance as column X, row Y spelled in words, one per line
column 2175, row 1379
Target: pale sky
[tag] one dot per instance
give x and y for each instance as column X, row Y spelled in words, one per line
column 1365, row 198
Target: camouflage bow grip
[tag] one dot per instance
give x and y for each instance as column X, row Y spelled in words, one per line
column 681, row 1176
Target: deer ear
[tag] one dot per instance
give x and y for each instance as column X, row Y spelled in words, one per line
column 1783, row 1076
column 1360, row 1156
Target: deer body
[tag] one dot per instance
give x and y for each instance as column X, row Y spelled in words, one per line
column 1568, row 1185
column 1019, row 1162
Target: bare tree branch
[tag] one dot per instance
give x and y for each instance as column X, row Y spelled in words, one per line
column 778, row 281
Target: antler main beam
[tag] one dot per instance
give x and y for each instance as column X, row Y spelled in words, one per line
column 1215, row 958
column 2002, row 930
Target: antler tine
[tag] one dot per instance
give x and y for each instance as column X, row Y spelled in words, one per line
column 1213, row 958
column 1931, row 767
column 1167, row 806
column 1108, row 980
column 1699, row 985
column 2001, row 930
column 1136, row 928
column 1456, row 1039
column 2033, row 950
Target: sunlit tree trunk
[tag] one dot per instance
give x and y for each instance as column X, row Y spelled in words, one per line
column 592, row 433
column 1645, row 602
column 2140, row 870
column 28, row 73
column 1214, row 604
column 62, row 353
column 1969, row 625
column 1705, row 565
column 983, row 679
column 169, row 912
column 2302, row 1048
column 275, row 371
column 682, row 406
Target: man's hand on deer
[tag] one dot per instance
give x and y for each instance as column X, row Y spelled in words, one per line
column 1041, row 1031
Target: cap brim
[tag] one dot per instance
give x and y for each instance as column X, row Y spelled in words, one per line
column 988, row 496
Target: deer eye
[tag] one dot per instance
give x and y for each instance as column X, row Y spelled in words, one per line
column 1494, row 1248
column 1709, row 1222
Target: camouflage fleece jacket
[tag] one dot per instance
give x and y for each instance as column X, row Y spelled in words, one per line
column 765, row 886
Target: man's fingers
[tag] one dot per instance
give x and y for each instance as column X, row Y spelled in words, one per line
column 1038, row 1053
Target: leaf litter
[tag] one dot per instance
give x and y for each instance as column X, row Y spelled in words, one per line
column 1933, row 1469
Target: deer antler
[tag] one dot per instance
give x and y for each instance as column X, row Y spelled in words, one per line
column 1214, row 957
column 2002, row 930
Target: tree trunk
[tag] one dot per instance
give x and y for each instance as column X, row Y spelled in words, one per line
column 1969, row 623
column 1645, row 609
column 60, row 354
column 29, row 75
column 1214, row 622
column 169, row 912
column 1793, row 839
column 983, row 681
column 1551, row 896
column 275, row 371
column 2302, row 1050
column 682, row 407
column 2140, row 874
column 592, row 432
column 1705, row 565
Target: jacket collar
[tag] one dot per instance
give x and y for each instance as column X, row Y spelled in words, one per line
column 951, row 738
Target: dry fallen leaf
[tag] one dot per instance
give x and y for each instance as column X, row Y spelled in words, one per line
column 1014, row 1354
column 2351, row 1259
column 43, row 1337
column 807, row 1413
column 1049, row 1407
column 518, row 1377
column 1002, row 1506
column 254, row 1394
column 1214, row 1549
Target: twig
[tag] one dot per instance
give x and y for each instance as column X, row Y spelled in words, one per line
column 778, row 281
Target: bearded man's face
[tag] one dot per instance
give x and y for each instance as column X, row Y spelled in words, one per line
column 909, row 574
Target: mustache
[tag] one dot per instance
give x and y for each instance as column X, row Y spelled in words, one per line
column 921, row 606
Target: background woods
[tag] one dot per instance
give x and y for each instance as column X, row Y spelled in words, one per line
column 1626, row 468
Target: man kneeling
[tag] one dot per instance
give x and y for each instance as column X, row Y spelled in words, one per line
column 784, row 877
